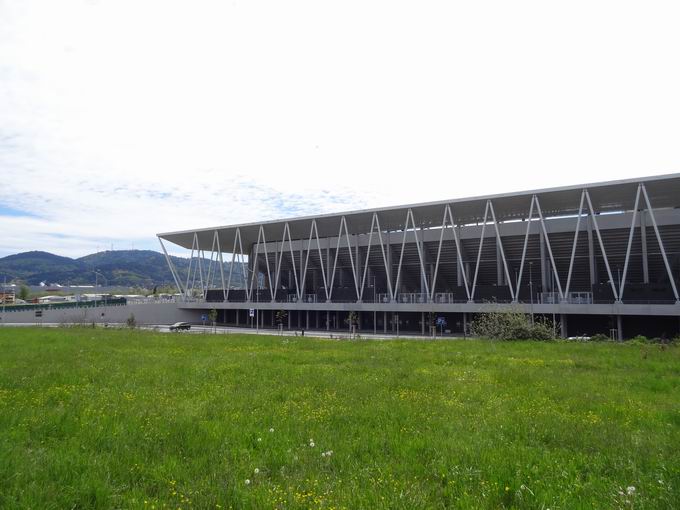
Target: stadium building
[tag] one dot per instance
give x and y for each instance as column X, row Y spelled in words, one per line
column 599, row 258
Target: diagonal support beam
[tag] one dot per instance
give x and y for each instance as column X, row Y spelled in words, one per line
column 599, row 239
column 661, row 246
column 630, row 241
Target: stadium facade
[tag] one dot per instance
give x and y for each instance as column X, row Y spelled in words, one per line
column 598, row 258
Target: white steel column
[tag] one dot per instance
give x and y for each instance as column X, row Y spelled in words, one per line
column 286, row 230
column 479, row 252
column 604, row 253
column 547, row 243
column 524, row 249
column 573, row 248
column 630, row 243
column 658, row 238
column 219, row 250
column 175, row 276
column 500, row 245
column 313, row 229
column 351, row 258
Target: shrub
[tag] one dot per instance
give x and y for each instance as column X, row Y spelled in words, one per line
column 131, row 322
column 600, row 338
column 511, row 325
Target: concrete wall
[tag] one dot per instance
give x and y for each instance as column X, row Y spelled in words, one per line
column 150, row 313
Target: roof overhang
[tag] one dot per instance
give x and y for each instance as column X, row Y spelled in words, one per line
column 612, row 196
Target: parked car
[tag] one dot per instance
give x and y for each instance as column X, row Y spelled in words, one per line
column 179, row 326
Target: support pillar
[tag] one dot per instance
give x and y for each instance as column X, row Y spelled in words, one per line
column 385, row 322
column 643, row 241
column 619, row 327
column 422, row 323
column 563, row 325
column 328, row 320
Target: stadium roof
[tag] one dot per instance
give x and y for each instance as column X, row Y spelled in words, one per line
column 611, row 196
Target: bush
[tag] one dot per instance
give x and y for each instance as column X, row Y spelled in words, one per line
column 131, row 322
column 511, row 325
column 600, row 338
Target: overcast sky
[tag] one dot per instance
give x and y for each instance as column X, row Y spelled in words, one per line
column 121, row 119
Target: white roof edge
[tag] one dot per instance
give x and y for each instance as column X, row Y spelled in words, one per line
column 619, row 182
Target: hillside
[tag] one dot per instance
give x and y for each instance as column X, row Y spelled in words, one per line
column 120, row 267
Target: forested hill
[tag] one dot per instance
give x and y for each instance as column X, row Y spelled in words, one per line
column 144, row 268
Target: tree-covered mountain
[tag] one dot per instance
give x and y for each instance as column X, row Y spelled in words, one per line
column 143, row 268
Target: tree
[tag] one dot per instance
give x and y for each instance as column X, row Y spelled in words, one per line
column 352, row 320
column 281, row 316
column 131, row 322
column 24, row 292
column 212, row 315
column 511, row 325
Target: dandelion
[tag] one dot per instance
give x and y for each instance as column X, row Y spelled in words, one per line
column 630, row 490
column 247, row 481
column 271, row 429
column 311, row 444
column 259, row 439
column 257, row 470
column 323, row 454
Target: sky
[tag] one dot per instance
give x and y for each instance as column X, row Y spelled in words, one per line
column 120, row 119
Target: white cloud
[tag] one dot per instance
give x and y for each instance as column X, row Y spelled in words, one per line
column 122, row 118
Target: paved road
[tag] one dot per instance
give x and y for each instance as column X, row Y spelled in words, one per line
column 222, row 330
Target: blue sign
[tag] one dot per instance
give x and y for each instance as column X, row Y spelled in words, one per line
column 441, row 321
column 204, row 317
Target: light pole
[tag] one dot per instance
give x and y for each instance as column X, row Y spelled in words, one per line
column 257, row 300
column 375, row 327
column 97, row 274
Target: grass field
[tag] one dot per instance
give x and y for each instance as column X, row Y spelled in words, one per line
column 120, row 419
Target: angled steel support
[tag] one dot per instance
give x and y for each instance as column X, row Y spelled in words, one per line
column 388, row 273
column 191, row 260
column 599, row 239
column 658, row 238
column 500, row 245
column 286, row 230
column 409, row 215
column 479, row 252
column 175, row 276
column 260, row 238
column 630, row 242
column 518, row 283
column 573, row 248
column 343, row 223
column 314, row 230
column 374, row 223
column 219, row 250
column 547, row 243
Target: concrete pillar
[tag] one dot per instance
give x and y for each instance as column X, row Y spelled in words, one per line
column 563, row 325
column 236, row 317
column 422, row 323
column 328, row 320
column 306, row 319
column 619, row 327
column 290, row 312
column 385, row 322
column 643, row 241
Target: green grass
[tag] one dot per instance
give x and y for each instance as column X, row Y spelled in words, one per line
column 119, row 419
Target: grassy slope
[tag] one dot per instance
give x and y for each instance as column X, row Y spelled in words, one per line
column 119, row 419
